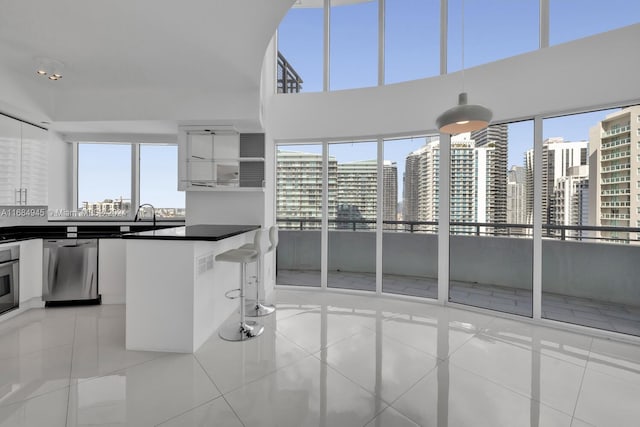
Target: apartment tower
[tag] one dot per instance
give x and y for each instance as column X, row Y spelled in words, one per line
column 615, row 172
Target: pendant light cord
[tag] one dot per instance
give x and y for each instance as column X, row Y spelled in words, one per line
column 462, row 43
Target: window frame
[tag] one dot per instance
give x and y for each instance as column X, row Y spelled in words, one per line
column 135, row 143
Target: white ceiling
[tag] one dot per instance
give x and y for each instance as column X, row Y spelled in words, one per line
column 130, row 60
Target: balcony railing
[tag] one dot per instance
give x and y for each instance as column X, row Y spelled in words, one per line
column 560, row 232
column 616, row 143
column 616, row 130
column 616, row 155
column 288, row 79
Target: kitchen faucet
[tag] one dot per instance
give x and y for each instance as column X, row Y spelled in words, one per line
column 153, row 210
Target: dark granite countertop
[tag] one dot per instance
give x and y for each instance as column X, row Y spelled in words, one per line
column 25, row 232
column 193, row 232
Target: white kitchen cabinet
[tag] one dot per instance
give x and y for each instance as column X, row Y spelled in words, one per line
column 23, row 163
column 218, row 159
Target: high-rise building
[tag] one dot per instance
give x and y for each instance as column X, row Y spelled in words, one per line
column 615, row 172
column 517, row 195
column 495, row 137
column 471, row 175
column 468, row 185
column 357, row 193
column 570, row 199
column 299, row 189
column 411, row 184
column 557, row 157
column 352, row 191
column 421, row 179
column 390, row 191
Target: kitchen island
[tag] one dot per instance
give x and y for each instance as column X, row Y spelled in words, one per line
column 175, row 290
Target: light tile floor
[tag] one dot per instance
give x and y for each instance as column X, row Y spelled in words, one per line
column 325, row 359
column 580, row 311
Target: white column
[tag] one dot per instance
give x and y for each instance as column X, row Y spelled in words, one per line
column 443, row 219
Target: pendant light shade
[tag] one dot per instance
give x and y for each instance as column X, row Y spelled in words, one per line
column 463, row 117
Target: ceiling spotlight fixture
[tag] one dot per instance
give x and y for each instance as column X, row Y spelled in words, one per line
column 50, row 68
column 463, row 117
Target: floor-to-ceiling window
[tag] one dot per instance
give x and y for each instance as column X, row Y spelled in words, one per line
column 299, row 193
column 351, row 254
column 491, row 247
column 590, row 217
column 410, row 223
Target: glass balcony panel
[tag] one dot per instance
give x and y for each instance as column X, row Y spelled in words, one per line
column 490, row 247
column 410, row 240
column 352, row 216
column 299, row 214
column 590, row 252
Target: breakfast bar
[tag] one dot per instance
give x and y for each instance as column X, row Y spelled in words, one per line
column 175, row 290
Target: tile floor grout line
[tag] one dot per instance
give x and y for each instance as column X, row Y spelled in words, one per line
column 221, row 396
column 73, row 345
column 584, row 373
column 513, row 390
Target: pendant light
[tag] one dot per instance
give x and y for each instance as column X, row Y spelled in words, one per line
column 463, row 117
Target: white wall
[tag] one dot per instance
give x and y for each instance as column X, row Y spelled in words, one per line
column 595, row 71
column 60, row 170
column 225, row 207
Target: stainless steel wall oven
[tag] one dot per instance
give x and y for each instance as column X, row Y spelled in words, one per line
column 9, row 278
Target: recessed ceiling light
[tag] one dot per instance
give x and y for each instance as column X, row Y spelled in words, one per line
column 50, row 68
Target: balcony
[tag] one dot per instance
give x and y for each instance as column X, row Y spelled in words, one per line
column 588, row 273
column 616, row 180
column 614, row 168
column 616, row 130
column 615, row 143
column 614, row 156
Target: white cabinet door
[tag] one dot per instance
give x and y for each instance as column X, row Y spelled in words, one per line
column 10, row 147
column 35, row 172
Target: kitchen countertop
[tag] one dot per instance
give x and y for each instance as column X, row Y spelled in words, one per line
column 89, row 231
column 193, row 232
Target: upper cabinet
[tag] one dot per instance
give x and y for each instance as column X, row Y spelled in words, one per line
column 219, row 159
column 23, row 163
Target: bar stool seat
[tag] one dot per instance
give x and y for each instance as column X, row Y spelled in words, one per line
column 266, row 243
column 243, row 330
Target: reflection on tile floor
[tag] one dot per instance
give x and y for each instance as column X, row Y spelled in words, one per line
column 580, row 311
column 325, row 359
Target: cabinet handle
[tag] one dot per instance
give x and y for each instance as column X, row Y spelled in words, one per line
column 17, row 196
column 25, row 196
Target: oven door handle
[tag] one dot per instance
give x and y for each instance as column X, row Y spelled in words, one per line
column 8, row 263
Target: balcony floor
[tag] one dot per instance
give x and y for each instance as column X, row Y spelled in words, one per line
column 580, row 311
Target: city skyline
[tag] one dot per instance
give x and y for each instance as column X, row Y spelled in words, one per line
column 573, row 173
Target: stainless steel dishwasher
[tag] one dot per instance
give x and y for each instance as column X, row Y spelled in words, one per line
column 70, row 269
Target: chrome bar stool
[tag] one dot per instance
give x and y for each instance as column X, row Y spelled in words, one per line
column 257, row 308
column 245, row 329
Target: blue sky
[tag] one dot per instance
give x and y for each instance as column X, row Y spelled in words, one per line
column 412, row 51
